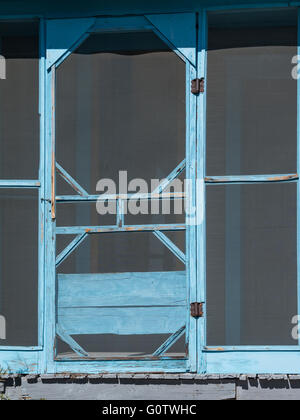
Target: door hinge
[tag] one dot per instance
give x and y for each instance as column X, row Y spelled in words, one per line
column 198, row 86
column 197, row 310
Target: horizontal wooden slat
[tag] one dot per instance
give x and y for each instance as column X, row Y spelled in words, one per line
column 122, row 321
column 77, row 230
column 122, row 289
column 248, row 179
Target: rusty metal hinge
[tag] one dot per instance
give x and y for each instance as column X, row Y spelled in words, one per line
column 198, row 86
column 197, row 310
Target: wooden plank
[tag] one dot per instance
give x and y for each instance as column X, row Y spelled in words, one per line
column 122, row 321
column 298, row 170
column 19, row 361
column 254, row 362
column 170, row 178
column 180, row 31
column 62, row 35
column 115, row 197
column 171, row 246
column 169, row 342
column 69, row 340
column 248, row 179
column 71, row 181
column 19, row 183
column 122, row 289
column 76, row 230
column 70, row 248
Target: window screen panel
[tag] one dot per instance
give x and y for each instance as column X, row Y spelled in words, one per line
column 110, row 345
column 251, row 94
column 19, row 266
column 251, row 264
column 19, row 111
column 85, row 214
column 120, row 107
column 125, row 252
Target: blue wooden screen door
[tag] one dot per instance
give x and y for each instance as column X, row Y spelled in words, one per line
column 121, row 184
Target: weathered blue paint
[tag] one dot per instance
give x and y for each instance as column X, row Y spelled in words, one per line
column 64, row 336
column 41, row 358
column 77, row 230
column 298, row 170
column 201, row 211
column 115, row 197
column 20, row 361
column 168, row 180
column 138, row 323
column 90, row 8
column 159, row 288
column 59, row 46
column 250, row 348
column 70, row 248
column 179, row 30
column 121, row 320
column 160, row 365
column 19, row 183
column 191, row 239
column 253, row 362
column 251, row 179
column 118, row 24
column 170, row 245
column 71, row 181
column 169, row 342
column 122, row 303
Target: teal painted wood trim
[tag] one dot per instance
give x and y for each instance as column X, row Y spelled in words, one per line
column 62, row 36
column 70, row 341
column 166, row 288
column 248, row 179
column 20, row 361
column 280, row 362
column 77, row 30
column 250, row 348
column 89, row 8
column 50, row 275
column 247, row 6
column 120, row 220
column 76, row 230
column 191, row 242
column 121, row 366
column 191, row 139
column 70, row 248
column 298, row 170
column 171, row 246
column 20, row 183
column 180, row 30
column 71, row 181
column 115, row 197
column 121, row 24
column 238, row 359
column 201, row 192
column 168, row 180
column 169, row 342
column 121, row 320
column 21, row 348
